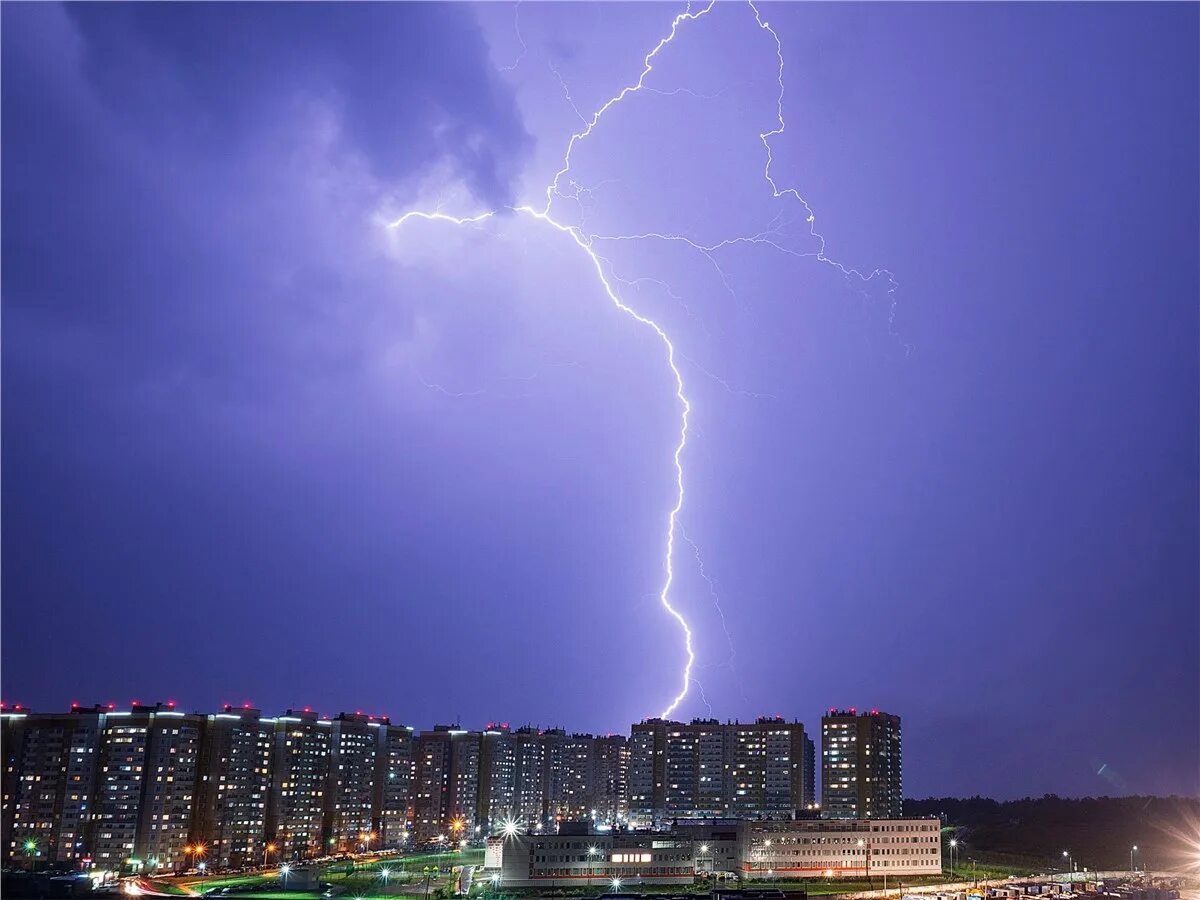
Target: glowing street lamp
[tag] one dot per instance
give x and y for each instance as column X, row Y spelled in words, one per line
column 1132, row 850
column 616, row 884
column 285, row 870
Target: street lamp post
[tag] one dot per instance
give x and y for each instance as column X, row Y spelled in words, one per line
column 1070, row 864
column 953, row 847
column 1132, row 850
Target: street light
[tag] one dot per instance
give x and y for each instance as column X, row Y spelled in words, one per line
column 1070, row 863
column 592, row 851
column 1132, row 850
column 953, row 847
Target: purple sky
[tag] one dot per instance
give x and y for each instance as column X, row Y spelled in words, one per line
column 260, row 447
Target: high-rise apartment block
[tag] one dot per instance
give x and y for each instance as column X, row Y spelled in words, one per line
column 861, row 775
column 706, row 768
column 299, row 780
column 154, row 789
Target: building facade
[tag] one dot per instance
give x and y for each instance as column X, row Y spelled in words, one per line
column 393, row 778
column 860, row 848
column 612, row 778
column 300, row 776
column 50, row 777
column 755, row 850
column 711, row 769
column 861, row 772
column 145, row 801
column 152, row 789
column 235, row 787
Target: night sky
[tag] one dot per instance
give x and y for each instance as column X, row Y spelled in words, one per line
column 257, row 446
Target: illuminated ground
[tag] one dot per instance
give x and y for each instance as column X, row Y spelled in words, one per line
column 362, row 879
column 358, row 878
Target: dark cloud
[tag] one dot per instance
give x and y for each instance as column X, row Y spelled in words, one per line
column 411, row 86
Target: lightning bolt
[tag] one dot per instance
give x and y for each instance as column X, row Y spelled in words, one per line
column 810, row 216
column 586, row 243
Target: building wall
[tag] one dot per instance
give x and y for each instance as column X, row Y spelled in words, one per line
column 392, row 780
column 612, row 778
column 851, row 848
column 300, row 777
column 582, row 860
column 350, row 796
column 170, row 790
column 758, row 850
column 706, row 768
column 50, row 774
column 647, row 772
column 861, row 765
column 116, row 812
column 234, row 786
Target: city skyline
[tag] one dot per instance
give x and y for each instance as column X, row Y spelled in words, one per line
column 573, row 363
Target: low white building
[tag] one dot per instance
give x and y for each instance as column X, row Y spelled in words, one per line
column 846, row 848
column 810, row 848
column 614, row 859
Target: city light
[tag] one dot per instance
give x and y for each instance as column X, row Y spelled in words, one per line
column 509, row 828
column 704, row 848
column 616, row 884
column 285, row 870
